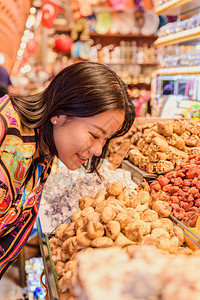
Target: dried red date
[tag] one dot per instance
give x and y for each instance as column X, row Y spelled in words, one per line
column 180, row 174
column 174, row 199
column 185, row 205
column 186, row 182
column 176, row 207
column 197, row 202
column 178, row 181
column 169, row 175
column 183, row 189
column 198, row 184
column 193, row 172
column 190, row 198
column 167, row 187
column 162, row 180
column 174, row 189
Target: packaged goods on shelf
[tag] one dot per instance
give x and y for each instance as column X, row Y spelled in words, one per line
column 179, row 45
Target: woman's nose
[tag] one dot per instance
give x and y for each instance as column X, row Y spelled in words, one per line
column 96, row 148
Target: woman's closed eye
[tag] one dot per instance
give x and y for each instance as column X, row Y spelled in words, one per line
column 94, row 136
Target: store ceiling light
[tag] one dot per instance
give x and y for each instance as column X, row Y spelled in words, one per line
column 20, row 52
column 30, row 21
column 24, row 39
column 32, row 10
column 26, row 69
column 26, row 32
column 2, row 59
column 23, row 45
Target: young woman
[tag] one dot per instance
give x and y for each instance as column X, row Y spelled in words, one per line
column 84, row 106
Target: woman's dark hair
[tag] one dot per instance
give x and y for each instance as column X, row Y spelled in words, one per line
column 81, row 90
column 3, row 89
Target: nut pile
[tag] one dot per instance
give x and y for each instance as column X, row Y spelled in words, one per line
column 165, row 145
column 182, row 189
column 114, row 217
column 158, row 147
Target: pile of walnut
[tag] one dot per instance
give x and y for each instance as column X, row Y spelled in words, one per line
column 164, row 145
column 114, row 219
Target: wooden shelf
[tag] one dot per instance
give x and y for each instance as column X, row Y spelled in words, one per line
column 93, row 34
column 178, row 7
column 179, row 71
column 166, row 7
column 179, row 37
column 129, row 63
column 133, row 36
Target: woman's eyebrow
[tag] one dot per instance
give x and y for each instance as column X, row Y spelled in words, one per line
column 101, row 129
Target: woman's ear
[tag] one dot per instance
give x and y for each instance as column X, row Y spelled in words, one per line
column 59, row 120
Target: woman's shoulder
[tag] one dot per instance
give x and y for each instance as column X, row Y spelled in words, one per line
column 7, row 112
column 11, row 119
column 13, row 135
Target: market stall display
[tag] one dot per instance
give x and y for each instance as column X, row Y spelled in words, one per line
column 64, row 188
column 115, row 217
column 159, row 147
column 182, row 189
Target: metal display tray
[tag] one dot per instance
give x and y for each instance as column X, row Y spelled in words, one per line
column 137, row 174
column 49, row 270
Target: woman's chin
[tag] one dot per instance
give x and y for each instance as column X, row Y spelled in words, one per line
column 72, row 166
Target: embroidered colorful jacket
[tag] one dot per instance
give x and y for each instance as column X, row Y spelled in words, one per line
column 19, row 199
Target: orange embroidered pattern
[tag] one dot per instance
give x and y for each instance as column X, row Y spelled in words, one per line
column 19, row 200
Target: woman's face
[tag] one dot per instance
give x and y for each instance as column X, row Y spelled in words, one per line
column 78, row 139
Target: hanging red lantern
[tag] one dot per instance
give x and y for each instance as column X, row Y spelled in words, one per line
column 63, row 43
